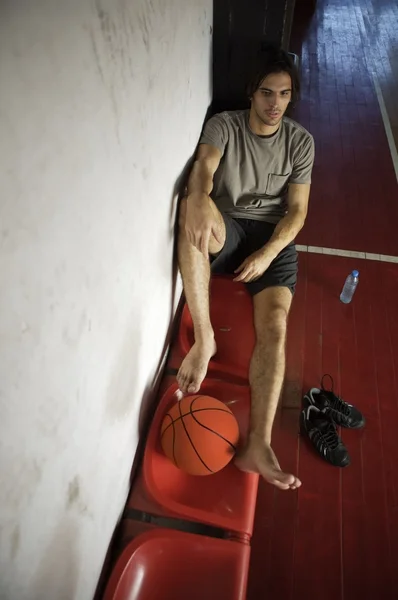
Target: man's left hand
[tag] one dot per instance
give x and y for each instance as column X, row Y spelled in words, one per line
column 255, row 265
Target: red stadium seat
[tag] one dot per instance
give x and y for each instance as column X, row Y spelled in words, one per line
column 163, row 564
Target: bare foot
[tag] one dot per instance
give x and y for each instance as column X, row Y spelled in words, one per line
column 258, row 457
column 194, row 366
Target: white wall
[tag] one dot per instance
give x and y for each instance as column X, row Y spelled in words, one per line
column 102, row 103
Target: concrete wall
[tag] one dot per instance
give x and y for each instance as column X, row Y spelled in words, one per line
column 101, row 104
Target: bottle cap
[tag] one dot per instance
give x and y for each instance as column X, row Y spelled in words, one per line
column 355, row 273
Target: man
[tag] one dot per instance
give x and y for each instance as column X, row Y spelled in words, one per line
column 246, row 201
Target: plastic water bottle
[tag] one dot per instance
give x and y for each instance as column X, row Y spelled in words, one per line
column 349, row 287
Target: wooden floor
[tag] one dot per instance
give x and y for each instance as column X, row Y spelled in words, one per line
column 337, row 537
column 354, row 198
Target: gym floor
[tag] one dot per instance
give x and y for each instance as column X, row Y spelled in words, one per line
column 337, row 537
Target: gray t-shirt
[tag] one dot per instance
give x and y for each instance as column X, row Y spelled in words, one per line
column 252, row 179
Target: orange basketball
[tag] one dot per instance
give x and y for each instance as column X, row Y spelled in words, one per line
column 199, row 435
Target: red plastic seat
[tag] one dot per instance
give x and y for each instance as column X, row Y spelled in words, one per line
column 226, row 499
column 129, row 529
column 231, row 312
column 163, row 564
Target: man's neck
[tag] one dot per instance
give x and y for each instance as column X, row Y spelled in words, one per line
column 259, row 128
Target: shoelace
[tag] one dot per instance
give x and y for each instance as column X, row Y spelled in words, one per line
column 327, row 437
column 339, row 405
column 336, row 403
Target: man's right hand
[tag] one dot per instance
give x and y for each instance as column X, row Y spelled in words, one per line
column 201, row 222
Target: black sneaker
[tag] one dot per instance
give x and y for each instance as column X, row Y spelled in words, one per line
column 334, row 407
column 323, row 434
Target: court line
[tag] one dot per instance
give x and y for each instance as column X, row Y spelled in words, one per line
column 347, row 253
column 387, row 125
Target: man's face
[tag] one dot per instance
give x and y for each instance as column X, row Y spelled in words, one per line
column 272, row 98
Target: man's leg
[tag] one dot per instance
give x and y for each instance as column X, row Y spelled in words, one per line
column 267, row 369
column 195, row 271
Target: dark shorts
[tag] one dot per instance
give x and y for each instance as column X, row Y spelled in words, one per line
column 245, row 236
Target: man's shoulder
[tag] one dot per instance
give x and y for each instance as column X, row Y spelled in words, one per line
column 295, row 129
column 231, row 117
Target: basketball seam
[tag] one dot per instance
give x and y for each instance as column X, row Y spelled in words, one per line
column 190, row 412
column 208, row 428
column 188, row 436
column 173, row 442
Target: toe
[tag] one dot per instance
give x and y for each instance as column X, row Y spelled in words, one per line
column 280, row 485
column 193, row 387
column 286, row 479
column 182, row 382
column 180, row 376
column 179, row 395
column 296, row 484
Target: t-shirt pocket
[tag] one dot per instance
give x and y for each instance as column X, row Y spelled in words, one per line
column 277, row 184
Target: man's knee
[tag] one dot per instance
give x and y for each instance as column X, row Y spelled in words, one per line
column 272, row 328
column 214, row 244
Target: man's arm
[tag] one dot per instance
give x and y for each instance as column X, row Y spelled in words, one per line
column 286, row 230
column 297, row 199
column 288, row 227
column 206, row 163
column 200, row 221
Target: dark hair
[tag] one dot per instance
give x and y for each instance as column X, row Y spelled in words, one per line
column 272, row 59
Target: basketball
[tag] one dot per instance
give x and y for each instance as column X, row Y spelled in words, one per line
column 199, row 435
